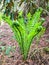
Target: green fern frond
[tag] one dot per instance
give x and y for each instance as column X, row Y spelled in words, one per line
column 25, row 33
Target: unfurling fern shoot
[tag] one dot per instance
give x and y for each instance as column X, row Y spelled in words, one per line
column 25, row 33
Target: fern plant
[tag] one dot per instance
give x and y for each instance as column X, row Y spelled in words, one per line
column 25, row 32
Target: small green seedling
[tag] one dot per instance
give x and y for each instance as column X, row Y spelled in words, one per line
column 25, row 33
